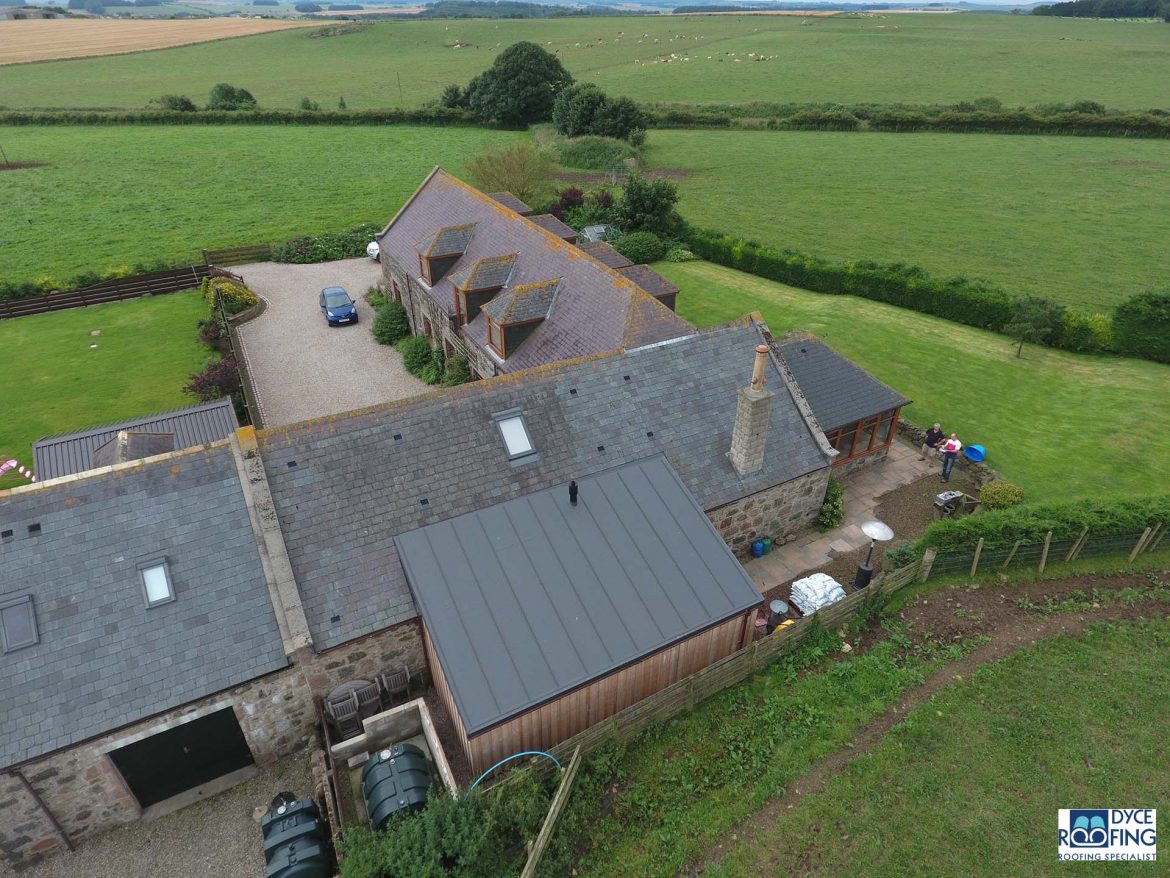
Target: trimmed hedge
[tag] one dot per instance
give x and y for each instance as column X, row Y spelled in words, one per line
column 325, row 248
column 1001, row 528
column 1001, row 495
column 640, row 247
column 443, row 116
column 1141, row 326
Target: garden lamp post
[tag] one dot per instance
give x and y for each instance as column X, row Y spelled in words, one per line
column 878, row 532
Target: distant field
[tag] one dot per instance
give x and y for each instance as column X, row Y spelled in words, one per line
column 1081, row 220
column 703, row 58
column 143, row 193
column 78, row 38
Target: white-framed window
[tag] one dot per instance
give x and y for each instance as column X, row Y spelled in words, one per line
column 156, row 582
column 515, row 434
column 18, row 623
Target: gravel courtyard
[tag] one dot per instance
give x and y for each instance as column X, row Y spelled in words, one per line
column 300, row 367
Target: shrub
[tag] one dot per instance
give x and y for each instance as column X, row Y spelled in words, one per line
column 648, row 206
column 213, row 334
column 326, row 247
column 640, row 247
column 416, row 353
column 391, row 324
column 1085, row 332
column 680, row 254
column 594, row 153
column 235, row 297
column 376, row 297
column 218, row 379
column 1141, row 326
column 228, row 97
column 596, row 210
column 833, row 508
column 309, row 105
column 458, row 371
column 584, row 109
column 176, row 104
column 901, row 554
column 519, row 168
column 1001, row 495
column 432, row 372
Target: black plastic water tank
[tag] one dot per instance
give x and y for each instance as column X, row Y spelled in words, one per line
column 294, row 841
column 395, row 780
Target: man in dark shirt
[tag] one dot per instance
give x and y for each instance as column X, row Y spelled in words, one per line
column 932, row 442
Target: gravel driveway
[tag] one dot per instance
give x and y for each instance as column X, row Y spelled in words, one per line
column 300, row 367
column 215, row 838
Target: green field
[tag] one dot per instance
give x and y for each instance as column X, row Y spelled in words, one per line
column 848, row 59
column 1080, row 220
column 55, row 382
column 1061, row 425
column 138, row 194
column 970, row 783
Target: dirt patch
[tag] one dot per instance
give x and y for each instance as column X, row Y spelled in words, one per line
column 599, row 177
column 953, row 615
column 21, row 166
column 909, row 510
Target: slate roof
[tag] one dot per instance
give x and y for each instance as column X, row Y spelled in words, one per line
column 649, row 280
column 68, row 453
column 523, row 303
column 839, row 391
column 485, row 273
column 604, row 252
column 597, row 309
column 550, row 223
column 346, row 485
column 533, row 597
column 447, row 241
column 511, row 202
column 104, row 659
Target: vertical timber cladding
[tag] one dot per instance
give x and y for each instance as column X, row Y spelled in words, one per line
column 547, row 725
column 183, row 757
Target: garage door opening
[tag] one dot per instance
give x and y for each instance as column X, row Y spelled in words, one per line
column 184, row 759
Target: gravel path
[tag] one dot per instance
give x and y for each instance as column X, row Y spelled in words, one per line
column 215, row 838
column 300, row 367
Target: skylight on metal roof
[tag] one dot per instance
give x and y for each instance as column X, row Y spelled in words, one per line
column 514, row 432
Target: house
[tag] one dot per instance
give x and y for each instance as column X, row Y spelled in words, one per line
column 482, row 277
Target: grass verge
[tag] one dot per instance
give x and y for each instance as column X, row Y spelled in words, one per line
column 1060, row 425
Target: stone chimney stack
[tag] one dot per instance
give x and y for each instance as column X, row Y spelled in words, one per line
column 753, row 415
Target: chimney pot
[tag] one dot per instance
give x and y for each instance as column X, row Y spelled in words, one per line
column 573, row 492
column 758, row 367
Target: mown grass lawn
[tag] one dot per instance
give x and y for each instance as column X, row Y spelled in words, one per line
column 970, row 783
column 113, row 196
column 54, row 382
column 1081, row 220
column 1061, row 425
column 848, row 59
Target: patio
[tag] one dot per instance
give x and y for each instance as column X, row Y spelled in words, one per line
column 863, row 488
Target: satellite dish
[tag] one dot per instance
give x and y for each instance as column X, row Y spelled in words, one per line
column 877, row 530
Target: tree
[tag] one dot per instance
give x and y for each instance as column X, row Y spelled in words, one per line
column 1034, row 320
column 453, row 97
column 648, row 206
column 309, row 105
column 307, row 7
column 228, row 97
column 584, row 108
column 519, row 168
column 341, row 103
column 176, row 103
column 1141, row 326
column 520, row 86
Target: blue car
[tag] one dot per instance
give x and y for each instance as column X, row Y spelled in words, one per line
column 338, row 307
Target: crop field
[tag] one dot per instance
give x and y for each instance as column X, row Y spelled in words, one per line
column 847, row 58
column 146, row 193
column 1062, row 426
column 22, row 41
column 1080, row 220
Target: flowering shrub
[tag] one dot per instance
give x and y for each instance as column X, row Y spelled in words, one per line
column 327, row 247
column 218, row 379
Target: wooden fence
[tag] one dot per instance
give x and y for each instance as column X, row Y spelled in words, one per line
column 153, row 284
column 239, row 255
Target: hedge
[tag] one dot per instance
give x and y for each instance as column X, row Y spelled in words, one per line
column 424, row 116
column 39, row 286
column 327, row 247
column 1029, row 524
column 1141, row 326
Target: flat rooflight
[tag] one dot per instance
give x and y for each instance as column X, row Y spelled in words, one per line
column 156, row 582
column 515, row 435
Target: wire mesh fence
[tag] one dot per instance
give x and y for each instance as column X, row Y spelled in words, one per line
column 1034, row 554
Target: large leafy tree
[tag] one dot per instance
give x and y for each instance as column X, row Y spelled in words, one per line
column 584, row 108
column 648, row 206
column 520, row 86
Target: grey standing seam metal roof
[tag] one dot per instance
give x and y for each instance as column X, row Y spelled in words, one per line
column 604, row 252
column 550, row 223
column 534, row 597
column 104, row 659
column 69, row 453
column 521, row 304
column 344, row 486
column 597, row 309
column 649, row 280
column 511, row 202
column 839, row 391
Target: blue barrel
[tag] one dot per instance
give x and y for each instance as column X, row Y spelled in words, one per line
column 975, row 453
column 758, row 549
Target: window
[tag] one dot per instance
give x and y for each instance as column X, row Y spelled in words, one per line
column 514, row 432
column 495, row 337
column 18, row 623
column 156, row 582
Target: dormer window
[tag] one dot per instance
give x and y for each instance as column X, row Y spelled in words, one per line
column 514, row 432
column 18, row 624
column 438, row 252
column 495, row 337
column 514, row 314
column 156, row 582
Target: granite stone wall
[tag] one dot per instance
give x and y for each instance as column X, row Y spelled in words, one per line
column 780, row 512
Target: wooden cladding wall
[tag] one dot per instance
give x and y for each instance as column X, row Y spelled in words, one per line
column 547, row 725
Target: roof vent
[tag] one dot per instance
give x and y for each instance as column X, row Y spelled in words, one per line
column 601, row 448
column 292, row 464
column 424, row 502
column 572, row 391
column 6, row 535
column 649, row 434
column 573, row 492
column 625, row 377
column 397, row 437
column 34, row 529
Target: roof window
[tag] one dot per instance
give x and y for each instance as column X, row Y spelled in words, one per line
column 18, row 623
column 514, row 432
column 156, row 582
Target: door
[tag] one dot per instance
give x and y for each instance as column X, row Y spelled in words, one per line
column 184, row 757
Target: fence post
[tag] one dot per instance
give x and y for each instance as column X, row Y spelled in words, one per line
column 1044, row 554
column 926, row 564
column 1137, row 547
column 1154, row 535
column 1076, row 546
column 206, row 261
column 975, row 560
column 1011, row 555
column 1153, row 545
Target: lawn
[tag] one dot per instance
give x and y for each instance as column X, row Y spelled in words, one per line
column 55, row 382
column 144, row 193
column 848, row 59
column 1061, row 425
column 1081, row 220
column 970, row 783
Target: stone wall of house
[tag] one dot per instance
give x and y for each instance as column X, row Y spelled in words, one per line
column 842, row 470
column 25, row 830
column 780, row 512
column 366, row 657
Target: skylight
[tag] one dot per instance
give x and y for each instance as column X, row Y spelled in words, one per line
column 18, row 623
column 156, row 582
column 515, row 435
